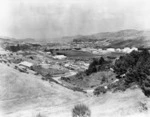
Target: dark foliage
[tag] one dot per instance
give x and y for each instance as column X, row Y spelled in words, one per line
column 97, row 65
column 84, row 39
column 77, row 89
column 136, row 67
column 100, row 90
column 18, row 47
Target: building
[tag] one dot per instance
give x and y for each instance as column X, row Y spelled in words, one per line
column 90, row 91
column 59, row 57
column 110, row 49
column 26, row 64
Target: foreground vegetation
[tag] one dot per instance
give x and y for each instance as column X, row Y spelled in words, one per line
column 81, row 110
column 135, row 67
column 131, row 69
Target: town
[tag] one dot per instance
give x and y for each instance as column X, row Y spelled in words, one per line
column 57, row 62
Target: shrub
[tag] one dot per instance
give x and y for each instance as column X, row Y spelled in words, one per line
column 100, row 90
column 142, row 106
column 77, row 89
column 146, row 87
column 81, row 110
column 39, row 115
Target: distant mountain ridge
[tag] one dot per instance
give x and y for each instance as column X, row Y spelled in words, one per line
column 129, row 36
column 121, row 38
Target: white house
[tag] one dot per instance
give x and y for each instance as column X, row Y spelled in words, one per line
column 118, row 50
column 127, row 50
column 59, row 57
column 134, row 48
column 90, row 91
column 26, row 64
column 111, row 50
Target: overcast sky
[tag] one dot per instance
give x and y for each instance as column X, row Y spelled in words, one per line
column 56, row 18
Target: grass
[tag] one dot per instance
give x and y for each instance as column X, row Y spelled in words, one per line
column 94, row 80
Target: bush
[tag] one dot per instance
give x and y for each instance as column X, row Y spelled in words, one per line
column 100, row 90
column 142, row 106
column 81, row 110
column 39, row 115
column 77, row 89
column 146, row 87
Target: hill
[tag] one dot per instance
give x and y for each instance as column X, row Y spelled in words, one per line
column 119, row 39
column 20, row 91
column 26, row 95
column 122, row 38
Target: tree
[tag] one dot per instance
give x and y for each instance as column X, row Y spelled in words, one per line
column 146, row 87
column 136, row 67
column 96, row 65
column 99, row 90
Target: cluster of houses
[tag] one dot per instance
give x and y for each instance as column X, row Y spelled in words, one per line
column 109, row 50
column 25, row 61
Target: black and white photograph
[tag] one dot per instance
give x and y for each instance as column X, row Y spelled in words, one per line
column 74, row 58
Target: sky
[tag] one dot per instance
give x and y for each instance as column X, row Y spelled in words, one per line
column 46, row 19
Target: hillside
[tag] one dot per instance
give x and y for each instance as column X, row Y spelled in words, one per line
column 119, row 39
column 26, row 95
column 19, row 91
column 122, row 38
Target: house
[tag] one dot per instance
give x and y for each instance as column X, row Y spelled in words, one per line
column 127, row 50
column 110, row 49
column 59, row 57
column 118, row 50
column 90, row 91
column 26, row 64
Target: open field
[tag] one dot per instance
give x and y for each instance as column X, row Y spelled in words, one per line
column 75, row 53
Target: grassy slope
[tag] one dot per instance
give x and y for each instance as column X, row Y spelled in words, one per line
column 127, row 104
column 121, row 38
column 23, row 95
column 19, row 90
